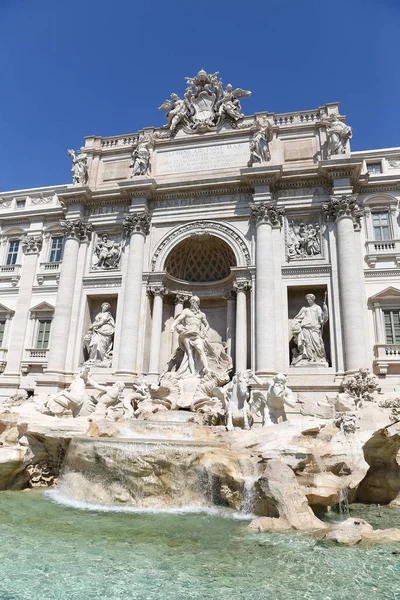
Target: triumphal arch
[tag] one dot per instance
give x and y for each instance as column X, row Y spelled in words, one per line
column 281, row 245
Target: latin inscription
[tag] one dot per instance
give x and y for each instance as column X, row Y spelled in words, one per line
column 203, row 158
column 236, row 198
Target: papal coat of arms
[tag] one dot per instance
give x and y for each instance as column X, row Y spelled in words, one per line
column 205, row 105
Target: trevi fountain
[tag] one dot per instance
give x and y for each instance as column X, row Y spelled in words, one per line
column 200, row 393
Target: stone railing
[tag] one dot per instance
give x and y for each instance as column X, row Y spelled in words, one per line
column 300, row 118
column 386, row 355
column 36, row 355
column 10, row 269
column 382, row 246
column 50, row 266
column 117, row 142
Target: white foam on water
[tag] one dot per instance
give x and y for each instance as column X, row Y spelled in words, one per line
column 59, row 497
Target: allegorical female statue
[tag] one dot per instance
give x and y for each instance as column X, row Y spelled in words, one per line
column 99, row 339
column 307, row 328
column 79, row 168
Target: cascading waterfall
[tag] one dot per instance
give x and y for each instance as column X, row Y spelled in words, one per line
column 141, row 472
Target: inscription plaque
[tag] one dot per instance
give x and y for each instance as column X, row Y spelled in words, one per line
column 204, row 158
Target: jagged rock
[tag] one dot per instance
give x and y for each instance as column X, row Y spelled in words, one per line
column 353, row 531
column 13, row 461
column 381, row 484
column 284, row 499
column 316, row 408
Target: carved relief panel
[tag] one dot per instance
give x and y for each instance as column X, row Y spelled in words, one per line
column 303, row 239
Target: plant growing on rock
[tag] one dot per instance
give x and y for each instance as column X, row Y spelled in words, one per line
column 361, row 387
column 394, row 405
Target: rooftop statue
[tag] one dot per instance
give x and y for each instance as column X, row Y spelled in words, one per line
column 141, row 156
column 338, row 133
column 205, row 105
column 79, row 168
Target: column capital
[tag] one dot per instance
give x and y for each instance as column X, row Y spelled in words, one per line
column 137, row 223
column 230, row 295
column 267, row 212
column 156, row 290
column 345, row 206
column 242, row 285
column 32, row 244
column 77, row 229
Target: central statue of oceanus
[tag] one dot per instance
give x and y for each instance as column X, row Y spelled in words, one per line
column 205, row 105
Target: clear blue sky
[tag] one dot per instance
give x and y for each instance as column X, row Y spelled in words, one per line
column 71, row 68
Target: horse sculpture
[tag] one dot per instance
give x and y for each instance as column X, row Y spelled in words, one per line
column 237, row 395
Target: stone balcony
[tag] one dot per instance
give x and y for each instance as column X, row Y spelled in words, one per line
column 385, row 250
column 34, row 357
column 48, row 270
column 386, row 355
column 10, row 273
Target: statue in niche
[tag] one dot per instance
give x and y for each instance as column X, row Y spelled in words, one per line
column 141, row 157
column 107, row 252
column 307, row 329
column 79, row 167
column 303, row 240
column 192, row 328
column 338, row 134
column 270, row 404
column 99, row 339
column 259, row 143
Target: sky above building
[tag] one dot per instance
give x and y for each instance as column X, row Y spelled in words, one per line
column 94, row 67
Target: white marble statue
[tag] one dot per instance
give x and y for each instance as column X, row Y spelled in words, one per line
column 141, row 157
column 229, row 104
column 177, row 110
column 270, row 403
column 259, row 143
column 307, row 329
column 100, row 337
column 237, row 396
column 75, row 399
column 107, row 252
column 192, row 328
column 108, row 400
column 79, row 167
column 338, row 134
column 205, row 104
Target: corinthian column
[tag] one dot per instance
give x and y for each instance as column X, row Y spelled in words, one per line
column 31, row 246
column 157, row 291
column 347, row 213
column 137, row 226
column 267, row 217
column 241, row 287
column 74, row 233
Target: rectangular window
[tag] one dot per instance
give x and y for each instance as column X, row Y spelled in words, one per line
column 12, row 252
column 2, row 330
column 380, row 223
column 374, row 168
column 57, row 244
column 392, row 326
column 43, row 333
column 20, row 203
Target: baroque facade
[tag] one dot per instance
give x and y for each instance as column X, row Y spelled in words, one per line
column 290, row 241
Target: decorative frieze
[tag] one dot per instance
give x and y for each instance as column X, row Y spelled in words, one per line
column 77, row 230
column 136, row 223
column 267, row 212
column 32, row 244
column 344, row 206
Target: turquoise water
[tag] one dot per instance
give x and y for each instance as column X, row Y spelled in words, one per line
column 49, row 551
